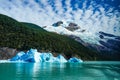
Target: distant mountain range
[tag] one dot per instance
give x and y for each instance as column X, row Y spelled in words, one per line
column 63, row 37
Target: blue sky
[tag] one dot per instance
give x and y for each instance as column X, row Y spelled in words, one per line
column 94, row 15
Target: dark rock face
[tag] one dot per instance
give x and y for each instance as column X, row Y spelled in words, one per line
column 57, row 23
column 101, row 36
column 72, row 27
column 6, row 53
column 109, row 48
column 73, row 24
column 110, row 45
column 106, row 34
column 118, row 38
column 110, row 41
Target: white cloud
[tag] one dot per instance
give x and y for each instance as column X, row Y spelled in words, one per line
column 88, row 19
column 58, row 7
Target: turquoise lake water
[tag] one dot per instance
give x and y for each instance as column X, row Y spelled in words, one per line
column 63, row 71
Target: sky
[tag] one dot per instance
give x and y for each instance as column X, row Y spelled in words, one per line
column 92, row 15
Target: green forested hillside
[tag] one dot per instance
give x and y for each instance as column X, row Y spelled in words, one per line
column 23, row 36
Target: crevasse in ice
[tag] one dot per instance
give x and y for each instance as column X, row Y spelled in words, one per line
column 34, row 56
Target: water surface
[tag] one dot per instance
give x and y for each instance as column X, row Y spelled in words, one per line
column 60, row 71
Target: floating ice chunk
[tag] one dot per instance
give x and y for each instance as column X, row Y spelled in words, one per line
column 74, row 59
column 4, row 61
column 17, row 57
column 61, row 58
column 37, row 57
column 33, row 56
column 31, row 51
column 20, row 54
column 47, row 57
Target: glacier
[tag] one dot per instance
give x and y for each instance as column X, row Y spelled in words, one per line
column 33, row 55
column 82, row 33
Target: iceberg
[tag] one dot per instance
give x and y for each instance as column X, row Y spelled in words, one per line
column 34, row 56
column 74, row 59
column 61, row 58
column 18, row 57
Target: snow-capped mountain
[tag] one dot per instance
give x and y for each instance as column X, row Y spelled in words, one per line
column 71, row 28
column 105, row 43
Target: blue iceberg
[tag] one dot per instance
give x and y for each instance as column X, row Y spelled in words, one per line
column 18, row 57
column 34, row 56
column 74, row 59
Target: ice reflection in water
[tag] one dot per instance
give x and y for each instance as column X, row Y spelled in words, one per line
column 60, row 71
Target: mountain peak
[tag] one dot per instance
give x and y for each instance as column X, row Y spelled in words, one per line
column 67, row 24
column 57, row 23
